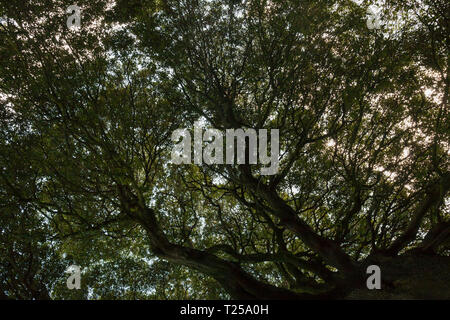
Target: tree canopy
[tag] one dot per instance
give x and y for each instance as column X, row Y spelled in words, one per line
column 86, row 117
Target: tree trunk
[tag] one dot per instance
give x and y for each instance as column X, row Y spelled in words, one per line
column 409, row 277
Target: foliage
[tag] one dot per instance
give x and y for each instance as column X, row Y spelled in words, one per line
column 86, row 118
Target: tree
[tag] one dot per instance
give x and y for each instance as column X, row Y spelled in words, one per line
column 86, row 123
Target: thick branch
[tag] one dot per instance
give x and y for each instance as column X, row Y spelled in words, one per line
column 238, row 283
column 434, row 195
column 329, row 250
